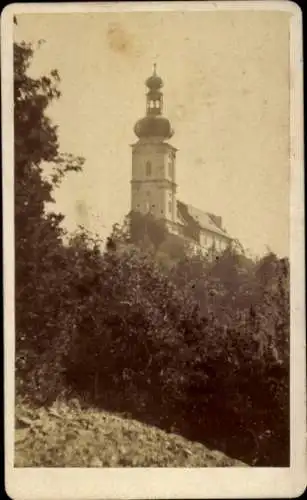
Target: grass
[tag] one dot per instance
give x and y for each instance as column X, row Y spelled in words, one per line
column 66, row 435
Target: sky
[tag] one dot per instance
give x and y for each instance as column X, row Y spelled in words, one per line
column 226, row 93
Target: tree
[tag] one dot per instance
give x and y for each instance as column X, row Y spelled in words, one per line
column 39, row 251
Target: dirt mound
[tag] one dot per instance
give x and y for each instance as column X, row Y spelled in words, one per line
column 65, row 435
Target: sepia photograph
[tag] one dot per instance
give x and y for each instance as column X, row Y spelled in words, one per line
column 153, row 183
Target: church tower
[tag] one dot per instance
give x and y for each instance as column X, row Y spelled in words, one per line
column 153, row 184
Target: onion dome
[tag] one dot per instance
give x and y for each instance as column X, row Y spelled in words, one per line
column 154, row 124
column 154, row 82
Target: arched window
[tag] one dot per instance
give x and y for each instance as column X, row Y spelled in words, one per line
column 170, row 167
column 148, row 168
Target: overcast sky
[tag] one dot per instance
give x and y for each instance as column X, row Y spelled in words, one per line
column 226, row 92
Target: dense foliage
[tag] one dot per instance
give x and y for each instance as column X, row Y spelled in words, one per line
column 38, row 234
column 189, row 343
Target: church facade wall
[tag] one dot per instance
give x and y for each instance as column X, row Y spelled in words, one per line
column 153, row 186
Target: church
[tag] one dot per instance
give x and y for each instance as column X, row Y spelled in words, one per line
column 153, row 183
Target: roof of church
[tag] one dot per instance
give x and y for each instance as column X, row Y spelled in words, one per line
column 204, row 220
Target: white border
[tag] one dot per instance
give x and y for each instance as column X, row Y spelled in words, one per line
column 42, row 483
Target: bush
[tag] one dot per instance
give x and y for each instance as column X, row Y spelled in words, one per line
column 168, row 350
column 171, row 347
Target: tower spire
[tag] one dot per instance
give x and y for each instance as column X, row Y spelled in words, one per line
column 154, row 95
column 154, row 124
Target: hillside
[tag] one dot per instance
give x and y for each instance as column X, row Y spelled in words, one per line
column 68, row 436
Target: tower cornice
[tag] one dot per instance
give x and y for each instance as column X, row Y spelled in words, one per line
column 150, row 142
column 149, row 181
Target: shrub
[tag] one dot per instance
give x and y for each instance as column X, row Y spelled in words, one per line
column 162, row 346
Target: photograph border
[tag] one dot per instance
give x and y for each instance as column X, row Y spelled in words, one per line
column 121, row 483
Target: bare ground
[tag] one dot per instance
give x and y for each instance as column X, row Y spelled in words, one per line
column 66, row 435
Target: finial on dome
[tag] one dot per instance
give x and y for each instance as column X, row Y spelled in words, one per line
column 154, row 82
